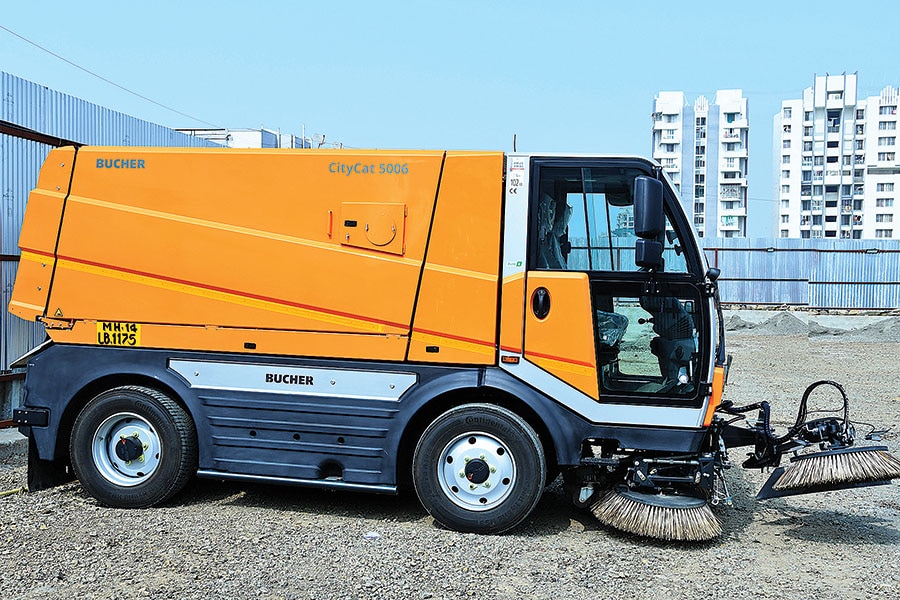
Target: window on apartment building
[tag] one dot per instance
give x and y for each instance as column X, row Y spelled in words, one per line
column 831, row 218
column 785, row 218
column 887, row 125
column 785, row 143
column 785, row 204
column 819, row 160
column 668, row 147
column 807, row 131
column 805, row 176
column 847, row 161
column 833, row 116
column 786, row 128
column 786, row 174
column 833, row 144
column 786, row 189
column 786, row 113
column 784, row 233
column 833, row 160
column 670, row 118
column 700, row 133
column 860, row 159
column 884, row 202
column 887, row 141
column 807, row 115
column 831, row 234
column 845, row 191
column 700, row 162
column 817, row 190
column 699, row 178
column 835, row 95
column 887, row 110
column 884, row 187
column 817, row 220
column 700, row 121
column 857, row 173
column 807, row 146
column 860, row 144
column 805, row 205
column 785, row 159
column 845, row 220
column 805, row 190
column 860, row 114
column 885, row 156
column 884, row 233
column 699, row 191
column 884, row 218
column 700, row 150
column 732, row 117
column 860, row 130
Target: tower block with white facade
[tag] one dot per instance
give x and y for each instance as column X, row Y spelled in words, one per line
column 836, row 162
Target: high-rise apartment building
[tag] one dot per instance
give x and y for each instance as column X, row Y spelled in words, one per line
column 703, row 148
column 836, row 164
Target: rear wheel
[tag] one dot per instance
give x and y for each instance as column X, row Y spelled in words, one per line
column 479, row 468
column 133, row 447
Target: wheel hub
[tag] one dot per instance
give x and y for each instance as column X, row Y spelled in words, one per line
column 477, row 471
column 126, row 449
column 129, row 448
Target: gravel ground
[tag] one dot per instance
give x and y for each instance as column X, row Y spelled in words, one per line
column 233, row 540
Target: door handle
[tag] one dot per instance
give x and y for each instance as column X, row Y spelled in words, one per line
column 540, row 303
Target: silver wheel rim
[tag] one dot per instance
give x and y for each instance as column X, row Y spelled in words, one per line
column 456, row 467
column 114, row 469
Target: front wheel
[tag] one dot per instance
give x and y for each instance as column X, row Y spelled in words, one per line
column 479, row 468
column 133, row 447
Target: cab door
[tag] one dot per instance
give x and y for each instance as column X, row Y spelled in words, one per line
column 597, row 327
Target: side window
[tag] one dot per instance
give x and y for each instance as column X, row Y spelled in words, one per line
column 586, row 221
column 647, row 344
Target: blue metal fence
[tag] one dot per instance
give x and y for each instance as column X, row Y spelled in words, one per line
column 847, row 274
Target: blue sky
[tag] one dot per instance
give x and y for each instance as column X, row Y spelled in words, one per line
column 563, row 76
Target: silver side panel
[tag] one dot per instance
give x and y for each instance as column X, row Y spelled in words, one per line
column 598, row 412
column 515, row 217
column 296, row 381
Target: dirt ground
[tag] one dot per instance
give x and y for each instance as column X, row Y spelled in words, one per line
column 252, row 541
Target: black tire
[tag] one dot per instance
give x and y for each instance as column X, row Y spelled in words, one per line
column 133, row 447
column 479, row 468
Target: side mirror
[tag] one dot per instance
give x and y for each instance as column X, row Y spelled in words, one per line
column 648, row 254
column 649, row 219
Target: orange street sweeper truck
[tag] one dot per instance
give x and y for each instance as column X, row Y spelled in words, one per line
column 472, row 324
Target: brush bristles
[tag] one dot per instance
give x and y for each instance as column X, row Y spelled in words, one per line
column 830, row 469
column 666, row 523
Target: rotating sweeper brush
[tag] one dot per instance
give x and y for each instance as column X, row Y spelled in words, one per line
column 837, row 465
column 669, row 497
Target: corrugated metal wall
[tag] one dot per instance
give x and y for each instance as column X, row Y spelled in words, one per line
column 59, row 115
column 862, row 274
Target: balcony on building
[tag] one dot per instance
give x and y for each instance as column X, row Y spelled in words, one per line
column 729, row 223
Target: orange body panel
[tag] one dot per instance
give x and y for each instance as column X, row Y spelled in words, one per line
column 212, row 240
column 563, row 342
column 456, row 315
column 512, row 313
column 718, row 388
column 39, row 233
